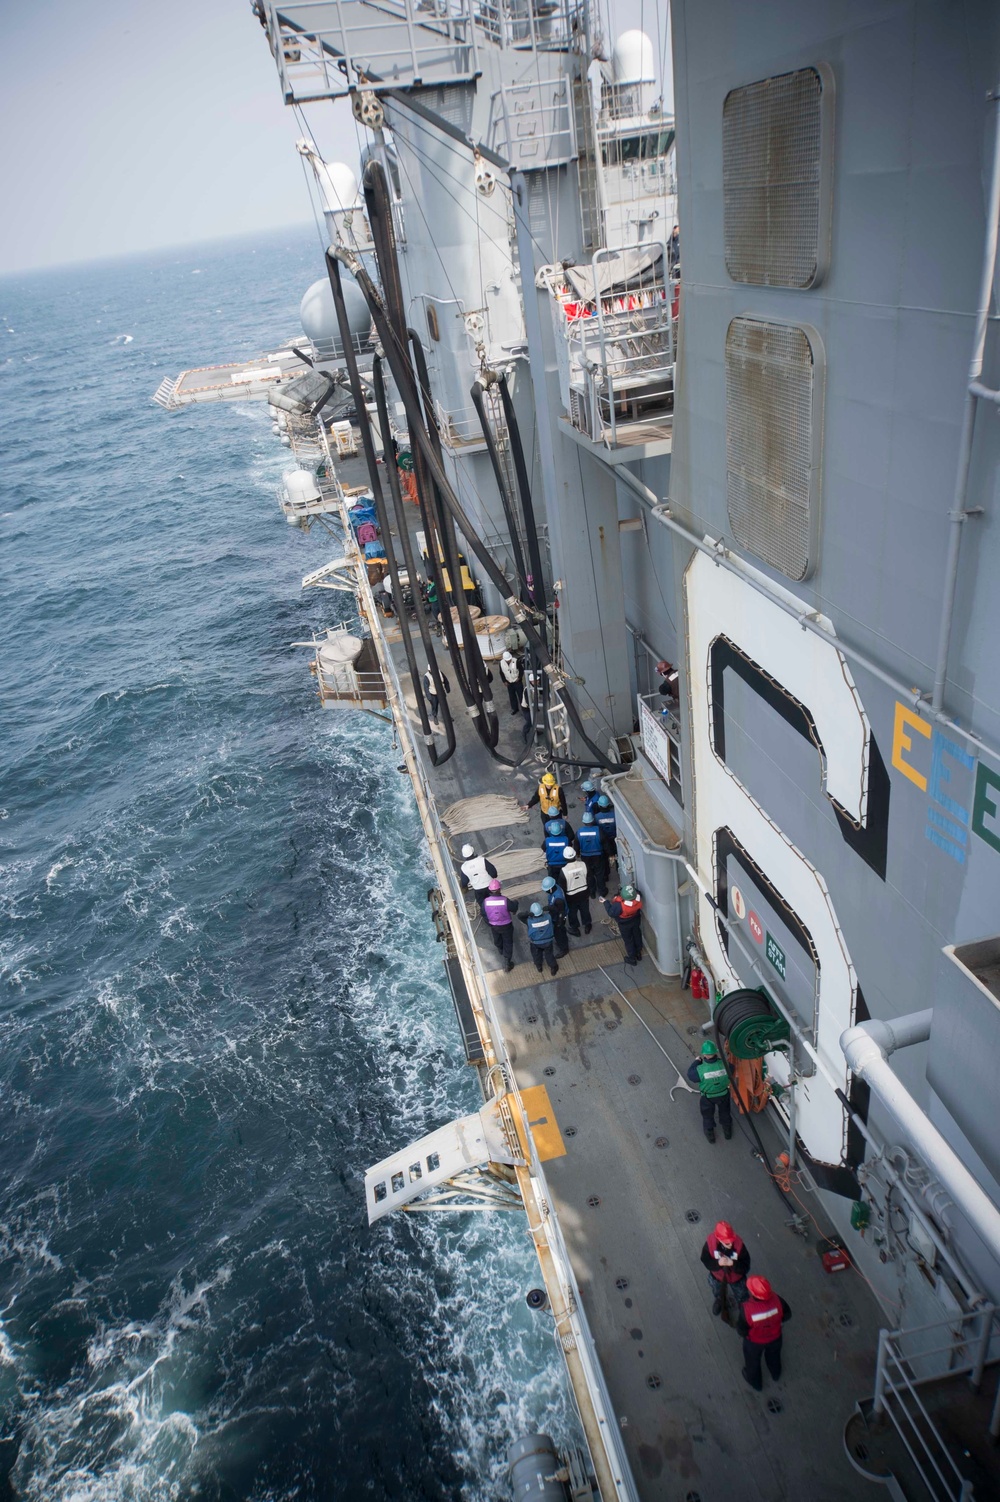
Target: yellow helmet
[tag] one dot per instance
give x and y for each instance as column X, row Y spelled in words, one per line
column 548, row 780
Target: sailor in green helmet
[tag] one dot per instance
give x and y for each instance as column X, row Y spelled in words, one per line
column 709, row 1073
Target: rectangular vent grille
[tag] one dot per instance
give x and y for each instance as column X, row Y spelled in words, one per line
column 771, row 180
column 769, row 442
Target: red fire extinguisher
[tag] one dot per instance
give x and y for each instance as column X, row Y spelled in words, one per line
column 699, row 985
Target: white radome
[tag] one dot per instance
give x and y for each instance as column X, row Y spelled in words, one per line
column 633, row 59
column 339, row 186
column 319, row 317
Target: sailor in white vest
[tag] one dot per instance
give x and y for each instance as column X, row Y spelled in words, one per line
column 574, row 879
column 475, row 874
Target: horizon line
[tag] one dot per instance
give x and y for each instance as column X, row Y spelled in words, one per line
column 152, row 250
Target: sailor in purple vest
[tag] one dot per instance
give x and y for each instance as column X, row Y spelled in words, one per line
column 499, row 911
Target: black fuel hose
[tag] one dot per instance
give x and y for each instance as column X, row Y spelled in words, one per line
column 478, row 680
column 404, row 538
column 501, row 479
column 472, row 679
column 368, row 443
column 409, row 396
column 527, row 505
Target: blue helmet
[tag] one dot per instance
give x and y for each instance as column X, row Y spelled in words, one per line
column 552, row 827
column 536, row 909
column 587, row 787
column 588, row 817
column 604, row 801
column 548, row 882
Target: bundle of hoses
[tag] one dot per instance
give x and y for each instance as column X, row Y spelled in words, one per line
column 748, row 1024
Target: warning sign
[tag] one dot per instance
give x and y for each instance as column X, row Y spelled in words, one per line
column 756, row 927
column 739, row 906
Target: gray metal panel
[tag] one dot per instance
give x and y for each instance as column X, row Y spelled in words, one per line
column 773, row 179
column 773, row 424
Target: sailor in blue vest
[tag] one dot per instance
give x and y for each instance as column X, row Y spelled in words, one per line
column 590, row 843
column 541, row 937
column 591, row 793
column 559, row 911
column 557, row 836
column 604, row 816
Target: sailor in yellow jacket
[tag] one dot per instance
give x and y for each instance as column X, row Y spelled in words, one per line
column 550, row 798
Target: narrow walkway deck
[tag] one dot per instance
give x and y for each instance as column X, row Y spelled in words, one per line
column 637, row 1191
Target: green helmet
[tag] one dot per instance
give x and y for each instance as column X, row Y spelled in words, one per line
column 709, row 1050
column 628, row 893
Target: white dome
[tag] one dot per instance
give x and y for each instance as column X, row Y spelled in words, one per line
column 339, row 186
column 319, row 316
column 633, row 59
column 301, row 486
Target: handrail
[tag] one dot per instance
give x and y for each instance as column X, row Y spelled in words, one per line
column 575, row 1338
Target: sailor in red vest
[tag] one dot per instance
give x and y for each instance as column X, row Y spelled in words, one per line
column 499, row 911
column 761, row 1317
column 728, row 1262
column 626, row 909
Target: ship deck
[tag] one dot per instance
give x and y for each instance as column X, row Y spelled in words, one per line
column 639, row 1188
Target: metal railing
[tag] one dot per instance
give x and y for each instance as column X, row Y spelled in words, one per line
column 325, row 49
column 574, row 1333
column 619, row 347
column 660, row 730
column 905, row 1364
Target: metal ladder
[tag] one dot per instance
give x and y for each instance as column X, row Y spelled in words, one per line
column 588, row 169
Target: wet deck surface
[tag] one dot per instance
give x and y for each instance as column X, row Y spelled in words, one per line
column 693, row 1428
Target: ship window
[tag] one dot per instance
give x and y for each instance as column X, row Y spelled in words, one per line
column 398, row 1183
column 432, row 321
column 380, row 1192
column 637, row 148
column 773, row 426
column 415, row 1172
column 777, row 146
column 433, row 1162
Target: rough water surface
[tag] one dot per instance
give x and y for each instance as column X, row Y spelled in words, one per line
column 220, row 998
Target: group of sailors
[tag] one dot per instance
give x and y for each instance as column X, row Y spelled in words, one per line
column 578, row 868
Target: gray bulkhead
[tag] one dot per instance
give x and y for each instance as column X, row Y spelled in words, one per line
column 890, row 322
column 459, row 255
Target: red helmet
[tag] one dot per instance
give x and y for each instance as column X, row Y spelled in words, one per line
column 494, row 885
column 725, row 1232
column 759, row 1288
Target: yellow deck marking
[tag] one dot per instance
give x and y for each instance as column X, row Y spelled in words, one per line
column 542, row 1121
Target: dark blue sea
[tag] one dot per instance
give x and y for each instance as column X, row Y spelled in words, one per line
column 220, row 996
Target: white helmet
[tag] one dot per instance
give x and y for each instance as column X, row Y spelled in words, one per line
column 569, row 854
column 468, row 852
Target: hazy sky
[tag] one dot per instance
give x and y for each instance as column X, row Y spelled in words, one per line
column 126, row 125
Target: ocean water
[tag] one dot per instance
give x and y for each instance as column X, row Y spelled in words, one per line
column 220, row 998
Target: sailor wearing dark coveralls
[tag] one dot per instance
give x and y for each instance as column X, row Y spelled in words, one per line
column 710, row 1075
column 626, row 909
column 558, row 836
column 727, row 1261
column 590, row 843
column 604, row 816
column 573, row 880
column 559, row 911
column 761, row 1319
column 499, row 911
column 541, row 936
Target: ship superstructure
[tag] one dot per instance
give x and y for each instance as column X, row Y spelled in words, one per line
column 730, row 495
